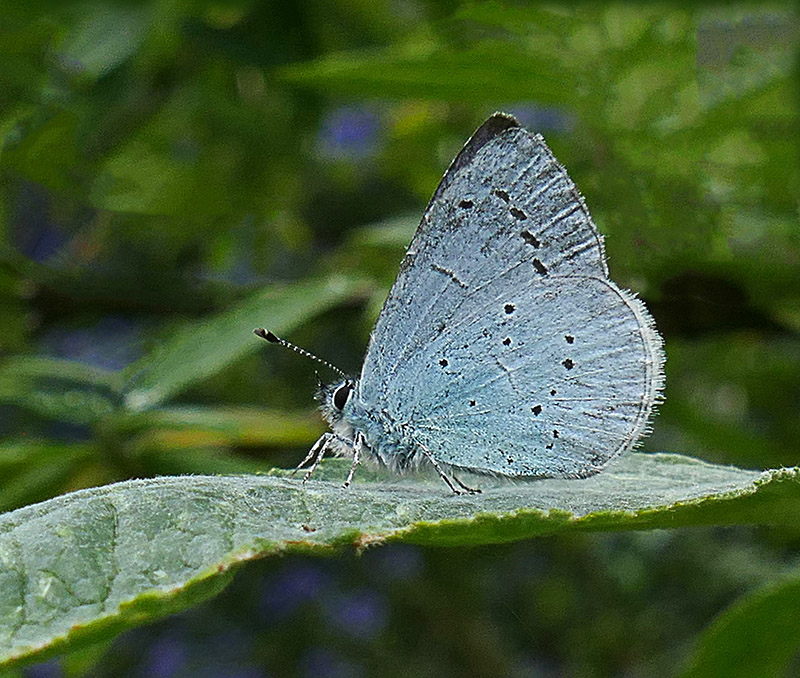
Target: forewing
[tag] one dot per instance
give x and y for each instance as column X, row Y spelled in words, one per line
column 505, row 203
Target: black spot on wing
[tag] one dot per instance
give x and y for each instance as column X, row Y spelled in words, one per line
column 568, row 363
column 536, row 409
column 541, row 269
column 518, row 214
column 466, row 204
column 503, row 195
column 509, row 308
column 570, row 339
column 530, row 238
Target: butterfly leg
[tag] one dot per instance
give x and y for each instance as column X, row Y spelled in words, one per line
column 322, row 441
column 357, row 445
column 467, row 488
column 439, row 469
column 322, row 447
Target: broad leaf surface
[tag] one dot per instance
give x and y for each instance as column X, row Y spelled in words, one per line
column 92, row 563
column 757, row 636
column 448, row 75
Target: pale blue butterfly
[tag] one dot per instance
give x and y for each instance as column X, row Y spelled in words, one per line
column 503, row 348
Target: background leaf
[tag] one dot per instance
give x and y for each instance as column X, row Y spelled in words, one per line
column 758, row 634
column 202, row 349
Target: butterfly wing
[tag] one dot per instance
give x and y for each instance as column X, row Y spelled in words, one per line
column 563, row 382
column 505, row 240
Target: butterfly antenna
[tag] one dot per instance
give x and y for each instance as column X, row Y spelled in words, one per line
column 270, row 337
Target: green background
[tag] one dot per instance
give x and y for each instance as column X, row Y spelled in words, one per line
column 168, row 170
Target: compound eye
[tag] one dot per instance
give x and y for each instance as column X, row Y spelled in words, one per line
column 341, row 395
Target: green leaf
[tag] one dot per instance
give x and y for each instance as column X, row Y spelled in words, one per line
column 9, row 122
column 196, row 460
column 89, row 564
column 486, row 73
column 102, row 40
column 191, row 439
column 396, row 232
column 758, row 636
column 59, row 389
column 32, row 470
column 51, row 368
column 231, row 425
column 201, row 349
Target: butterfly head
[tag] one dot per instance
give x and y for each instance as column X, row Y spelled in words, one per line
column 333, row 399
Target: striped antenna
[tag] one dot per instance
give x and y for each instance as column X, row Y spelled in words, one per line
column 270, row 337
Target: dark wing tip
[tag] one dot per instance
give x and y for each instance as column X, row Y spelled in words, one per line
column 498, row 122
column 495, row 124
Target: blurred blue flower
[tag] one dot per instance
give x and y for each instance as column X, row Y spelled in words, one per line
column 165, row 657
column 112, row 343
column 48, row 669
column 293, row 586
column 396, row 562
column 320, row 662
column 228, row 671
column 360, row 614
column 542, row 118
column 35, row 234
column 227, row 643
column 349, row 133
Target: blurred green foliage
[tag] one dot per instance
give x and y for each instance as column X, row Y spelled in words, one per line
column 173, row 174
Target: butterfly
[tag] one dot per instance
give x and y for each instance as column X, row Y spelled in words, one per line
column 503, row 348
